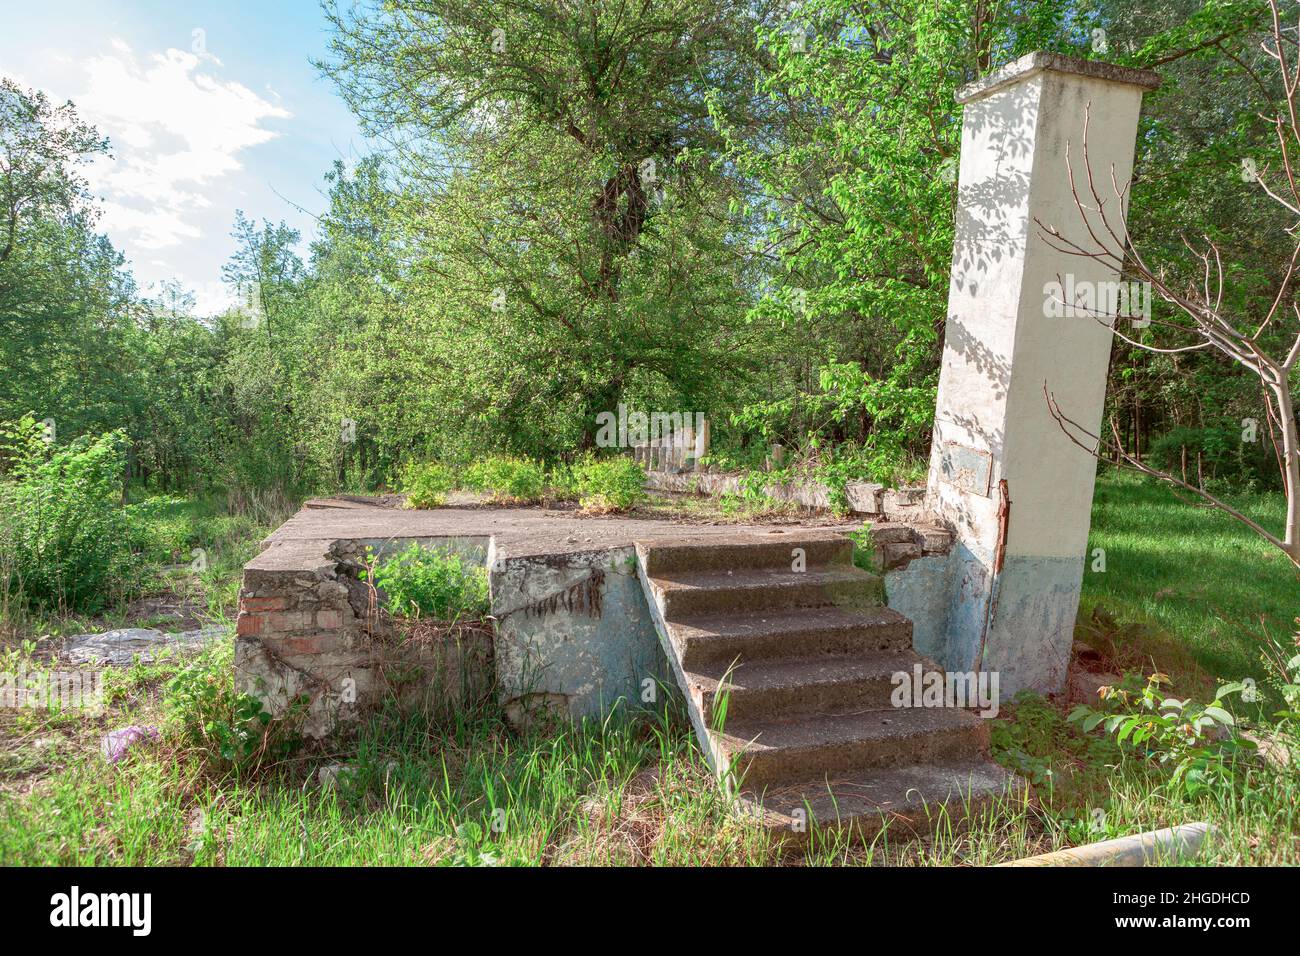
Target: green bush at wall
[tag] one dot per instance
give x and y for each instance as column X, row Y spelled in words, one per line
column 508, row 480
column 609, row 484
column 426, row 485
column 430, row 583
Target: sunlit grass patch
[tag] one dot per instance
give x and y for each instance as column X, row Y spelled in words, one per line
column 1173, row 570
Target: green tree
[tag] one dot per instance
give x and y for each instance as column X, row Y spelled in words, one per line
column 67, row 304
column 856, row 206
column 565, row 196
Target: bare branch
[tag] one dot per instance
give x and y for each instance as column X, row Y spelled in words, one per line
column 1070, row 427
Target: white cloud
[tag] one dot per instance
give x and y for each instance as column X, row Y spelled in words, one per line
column 175, row 130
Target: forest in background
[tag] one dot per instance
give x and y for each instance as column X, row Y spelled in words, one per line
column 744, row 210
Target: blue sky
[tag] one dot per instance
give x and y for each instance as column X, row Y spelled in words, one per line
column 210, row 106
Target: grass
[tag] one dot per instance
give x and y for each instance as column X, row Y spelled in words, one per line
column 414, row 792
column 201, row 549
column 633, row 789
column 193, row 562
column 1193, row 584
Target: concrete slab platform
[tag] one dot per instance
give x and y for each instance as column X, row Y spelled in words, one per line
column 572, row 628
column 517, row 532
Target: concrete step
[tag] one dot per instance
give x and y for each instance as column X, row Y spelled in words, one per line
column 778, row 689
column 763, row 752
column 773, row 549
column 798, row 634
column 805, row 660
column 909, row 799
column 684, row 594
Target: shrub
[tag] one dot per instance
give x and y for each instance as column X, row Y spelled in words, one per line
column 864, row 549
column 1286, row 674
column 508, row 480
column 204, row 711
column 1225, row 457
column 1035, row 740
column 1197, row 743
column 562, row 483
column 65, row 539
column 426, row 485
column 609, row 484
column 424, row 582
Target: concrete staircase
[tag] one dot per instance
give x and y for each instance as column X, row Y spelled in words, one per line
column 787, row 675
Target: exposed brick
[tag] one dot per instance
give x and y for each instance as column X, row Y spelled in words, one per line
column 288, row 621
column 263, row 603
column 249, row 624
column 302, row 645
column 329, row 620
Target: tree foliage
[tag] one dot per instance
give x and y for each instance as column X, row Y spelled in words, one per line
column 744, row 210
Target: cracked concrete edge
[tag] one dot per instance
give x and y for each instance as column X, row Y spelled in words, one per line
column 1040, row 62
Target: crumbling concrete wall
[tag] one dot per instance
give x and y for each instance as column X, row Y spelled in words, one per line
column 312, row 647
column 297, row 640
column 574, row 634
column 915, row 563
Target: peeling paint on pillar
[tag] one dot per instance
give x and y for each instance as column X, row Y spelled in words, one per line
column 1032, row 628
column 1028, row 636
column 1002, row 348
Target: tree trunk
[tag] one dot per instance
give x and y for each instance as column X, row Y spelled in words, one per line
column 1290, row 463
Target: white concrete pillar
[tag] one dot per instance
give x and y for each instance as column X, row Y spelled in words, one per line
column 992, row 423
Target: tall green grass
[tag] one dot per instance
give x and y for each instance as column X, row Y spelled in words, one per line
column 1193, row 573
column 632, row 789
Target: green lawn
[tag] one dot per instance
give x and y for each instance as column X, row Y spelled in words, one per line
column 1191, row 574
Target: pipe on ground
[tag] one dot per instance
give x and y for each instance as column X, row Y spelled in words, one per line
column 1137, row 850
